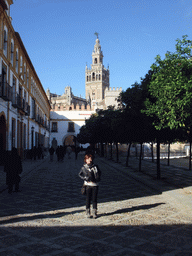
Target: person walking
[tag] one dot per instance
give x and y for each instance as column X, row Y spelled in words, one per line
column 91, row 175
column 69, row 150
column 58, row 153
column 13, row 167
column 51, row 152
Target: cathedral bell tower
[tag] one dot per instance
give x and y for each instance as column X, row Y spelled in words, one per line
column 96, row 78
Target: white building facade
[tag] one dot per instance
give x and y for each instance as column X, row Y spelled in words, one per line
column 24, row 107
column 65, row 125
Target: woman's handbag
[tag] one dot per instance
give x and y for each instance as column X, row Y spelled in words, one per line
column 83, row 190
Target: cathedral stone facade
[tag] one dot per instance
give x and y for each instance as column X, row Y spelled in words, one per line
column 67, row 101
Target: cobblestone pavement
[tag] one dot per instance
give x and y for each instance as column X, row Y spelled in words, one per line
column 137, row 215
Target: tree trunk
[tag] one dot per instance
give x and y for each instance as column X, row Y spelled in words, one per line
column 158, row 161
column 117, row 152
column 168, row 154
column 152, row 156
column 105, row 149
column 136, row 150
column 102, row 149
column 128, row 154
column 140, row 156
column 190, row 155
column 111, row 151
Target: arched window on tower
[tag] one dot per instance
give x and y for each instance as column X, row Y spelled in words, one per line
column 93, row 77
column 87, row 78
column 96, row 77
column 99, row 77
column 95, row 61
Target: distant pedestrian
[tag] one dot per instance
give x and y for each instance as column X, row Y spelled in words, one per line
column 39, row 152
column 13, row 167
column 77, row 150
column 42, row 151
column 62, row 153
column 51, row 152
column 69, row 150
column 91, row 174
column 58, row 153
column 34, row 152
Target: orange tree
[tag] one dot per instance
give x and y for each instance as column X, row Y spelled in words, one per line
column 170, row 89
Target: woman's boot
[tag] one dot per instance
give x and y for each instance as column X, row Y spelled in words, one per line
column 88, row 213
column 94, row 213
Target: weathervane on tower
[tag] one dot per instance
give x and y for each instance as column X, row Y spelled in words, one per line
column 97, row 34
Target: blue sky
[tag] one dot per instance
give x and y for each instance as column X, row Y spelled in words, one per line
column 59, row 37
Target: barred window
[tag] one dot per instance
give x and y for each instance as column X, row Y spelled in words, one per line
column 54, row 127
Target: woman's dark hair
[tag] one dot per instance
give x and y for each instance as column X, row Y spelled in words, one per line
column 87, row 156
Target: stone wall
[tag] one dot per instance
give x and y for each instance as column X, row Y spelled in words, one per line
column 111, row 96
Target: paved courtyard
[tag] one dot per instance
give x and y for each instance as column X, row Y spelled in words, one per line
column 48, row 216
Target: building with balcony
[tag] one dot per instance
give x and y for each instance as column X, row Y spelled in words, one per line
column 24, row 106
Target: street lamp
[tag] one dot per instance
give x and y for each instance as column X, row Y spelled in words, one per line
column 32, row 130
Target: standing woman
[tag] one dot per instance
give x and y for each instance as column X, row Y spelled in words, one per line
column 13, row 167
column 91, row 174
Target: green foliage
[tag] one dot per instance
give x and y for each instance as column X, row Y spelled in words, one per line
column 171, row 88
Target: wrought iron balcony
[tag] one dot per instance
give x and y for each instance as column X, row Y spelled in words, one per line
column 20, row 103
column 17, row 101
column 27, row 109
column 54, row 130
column 5, row 91
column 33, row 114
column 37, row 118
